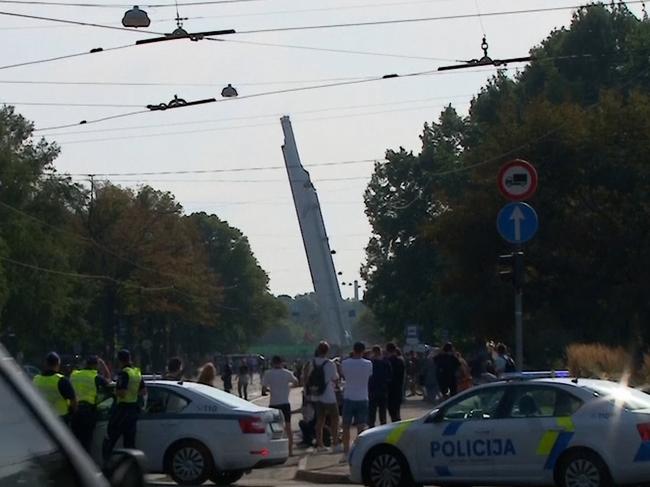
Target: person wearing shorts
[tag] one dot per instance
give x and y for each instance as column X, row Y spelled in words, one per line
column 356, row 371
column 279, row 381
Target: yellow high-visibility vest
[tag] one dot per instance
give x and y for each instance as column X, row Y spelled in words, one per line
column 84, row 385
column 48, row 386
column 133, row 387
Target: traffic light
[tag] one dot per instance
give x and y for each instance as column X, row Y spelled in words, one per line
column 510, row 268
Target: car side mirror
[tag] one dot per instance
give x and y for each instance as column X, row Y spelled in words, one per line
column 436, row 416
column 126, row 468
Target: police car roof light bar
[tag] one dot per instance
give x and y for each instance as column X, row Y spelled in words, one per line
column 542, row 374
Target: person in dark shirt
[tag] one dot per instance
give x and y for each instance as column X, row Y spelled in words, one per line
column 226, row 376
column 396, row 386
column 56, row 388
column 174, row 369
column 378, row 387
column 447, row 366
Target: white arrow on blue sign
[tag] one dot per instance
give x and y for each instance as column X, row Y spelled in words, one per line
column 517, row 223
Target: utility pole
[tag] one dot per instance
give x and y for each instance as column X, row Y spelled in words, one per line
column 518, row 261
column 316, row 242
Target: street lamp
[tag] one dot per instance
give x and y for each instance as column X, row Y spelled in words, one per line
column 136, row 18
column 229, row 91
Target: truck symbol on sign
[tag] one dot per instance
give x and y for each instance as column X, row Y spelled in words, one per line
column 520, row 179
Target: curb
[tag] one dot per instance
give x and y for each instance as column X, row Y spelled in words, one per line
column 315, row 477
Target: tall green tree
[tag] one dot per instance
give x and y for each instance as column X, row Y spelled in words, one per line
column 579, row 113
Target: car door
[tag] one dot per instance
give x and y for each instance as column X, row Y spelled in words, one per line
column 461, row 440
column 34, row 449
column 160, row 423
column 538, row 421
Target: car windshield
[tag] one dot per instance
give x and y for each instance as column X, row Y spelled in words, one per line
column 223, row 397
column 630, row 399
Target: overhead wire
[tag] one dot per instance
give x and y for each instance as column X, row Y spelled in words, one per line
column 85, row 276
column 246, row 97
column 67, row 104
column 120, row 5
column 422, row 19
column 65, row 56
column 237, row 127
column 254, row 117
column 90, row 241
column 190, row 84
column 226, row 170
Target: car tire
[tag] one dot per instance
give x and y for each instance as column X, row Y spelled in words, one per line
column 189, row 462
column 226, row 478
column 386, row 467
column 583, row 468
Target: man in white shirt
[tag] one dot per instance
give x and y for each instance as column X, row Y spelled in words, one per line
column 357, row 372
column 319, row 385
column 279, row 381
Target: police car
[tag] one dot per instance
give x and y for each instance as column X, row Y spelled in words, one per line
column 544, row 431
column 194, row 432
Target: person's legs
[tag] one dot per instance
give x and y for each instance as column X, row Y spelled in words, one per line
column 239, row 389
column 348, row 415
column 334, row 424
column 113, row 431
column 320, row 424
column 130, row 427
column 83, row 425
column 246, row 392
column 394, row 403
column 381, row 403
column 373, row 404
column 361, row 414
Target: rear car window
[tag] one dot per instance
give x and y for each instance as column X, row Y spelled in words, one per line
column 223, row 397
column 626, row 397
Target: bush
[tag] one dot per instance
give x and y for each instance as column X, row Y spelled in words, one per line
column 602, row 362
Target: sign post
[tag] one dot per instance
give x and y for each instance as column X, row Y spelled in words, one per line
column 517, row 223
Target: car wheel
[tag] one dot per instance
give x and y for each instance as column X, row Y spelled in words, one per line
column 583, row 468
column 386, row 467
column 189, row 463
column 226, row 478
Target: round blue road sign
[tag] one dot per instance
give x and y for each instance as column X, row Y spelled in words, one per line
column 517, row 223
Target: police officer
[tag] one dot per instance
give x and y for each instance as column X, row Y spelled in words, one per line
column 123, row 421
column 55, row 388
column 89, row 386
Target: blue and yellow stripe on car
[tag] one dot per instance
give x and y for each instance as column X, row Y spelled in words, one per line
column 555, row 441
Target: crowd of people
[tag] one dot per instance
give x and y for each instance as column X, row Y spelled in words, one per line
column 364, row 389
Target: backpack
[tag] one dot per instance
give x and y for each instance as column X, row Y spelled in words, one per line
column 316, row 382
column 510, row 365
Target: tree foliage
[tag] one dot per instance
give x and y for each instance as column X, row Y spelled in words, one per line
column 90, row 271
column 581, row 113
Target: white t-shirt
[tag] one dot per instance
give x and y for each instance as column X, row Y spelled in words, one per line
column 279, row 382
column 357, row 372
column 331, row 375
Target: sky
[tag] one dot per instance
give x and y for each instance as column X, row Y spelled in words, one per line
column 353, row 123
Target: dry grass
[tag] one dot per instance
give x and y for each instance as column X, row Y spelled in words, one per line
column 599, row 361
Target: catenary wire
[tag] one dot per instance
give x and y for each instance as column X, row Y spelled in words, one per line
column 253, row 117
column 65, row 56
column 123, row 5
column 237, row 127
column 190, row 84
column 245, row 97
column 226, row 170
column 423, row 19
column 85, row 276
column 90, row 241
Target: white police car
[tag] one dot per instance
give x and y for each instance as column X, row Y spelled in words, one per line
column 194, row 432
column 571, row 433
